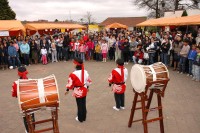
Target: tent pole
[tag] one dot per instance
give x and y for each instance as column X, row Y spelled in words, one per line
column 187, row 29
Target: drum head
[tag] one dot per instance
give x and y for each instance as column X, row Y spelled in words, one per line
column 138, row 78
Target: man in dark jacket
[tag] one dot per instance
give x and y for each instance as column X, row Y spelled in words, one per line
column 125, row 51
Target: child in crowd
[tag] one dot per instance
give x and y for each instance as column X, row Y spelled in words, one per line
column 196, row 66
column 44, row 55
column 191, row 57
column 82, row 49
column 76, row 49
column 104, row 50
column 118, row 78
column 98, row 52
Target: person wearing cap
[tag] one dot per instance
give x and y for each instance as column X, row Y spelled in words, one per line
column 117, row 80
column 79, row 82
column 22, row 73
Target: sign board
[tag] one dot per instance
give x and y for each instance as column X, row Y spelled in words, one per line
column 4, row 33
column 63, row 30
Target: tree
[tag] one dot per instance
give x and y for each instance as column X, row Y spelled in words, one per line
column 89, row 18
column 6, row 13
column 56, row 20
column 157, row 7
column 81, row 20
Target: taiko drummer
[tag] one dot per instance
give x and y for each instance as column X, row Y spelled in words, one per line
column 117, row 79
column 22, row 73
column 79, row 82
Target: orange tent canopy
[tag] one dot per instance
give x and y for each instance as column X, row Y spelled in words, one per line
column 117, row 25
column 189, row 20
column 11, row 25
column 43, row 26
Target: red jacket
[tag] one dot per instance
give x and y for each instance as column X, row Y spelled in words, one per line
column 139, row 55
column 14, row 89
column 90, row 45
column 115, row 78
column 75, row 84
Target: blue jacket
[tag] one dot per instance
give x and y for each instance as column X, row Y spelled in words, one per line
column 192, row 55
column 12, row 52
column 25, row 48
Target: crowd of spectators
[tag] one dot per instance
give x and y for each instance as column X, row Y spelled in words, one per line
column 175, row 49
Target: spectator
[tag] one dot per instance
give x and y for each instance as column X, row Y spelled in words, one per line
column 125, row 51
column 76, row 49
column 44, row 55
column 34, row 51
column 198, row 38
column 98, row 52
column 53, row 51
column 17, row 49
column 117, row 46
column 104, row 50
column 72, row 49
column 151, row 51
column 82, row 49
column 183, row 56
column 111, row 50
column 138, row 55
column 133, row 46
column 12, row 54
column 25, row 51
column 5, row 54
column 59, row 43
column 177, row 45
column 191, row 57
column 164, row 51
column 196, row 66
column 1, row 57
column 90, row 46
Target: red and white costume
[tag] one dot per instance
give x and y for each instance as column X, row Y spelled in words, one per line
column 14, row 86
column 74, row 82
column 118, row 80
column 14, row 89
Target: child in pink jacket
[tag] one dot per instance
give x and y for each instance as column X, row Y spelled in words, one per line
column 104, row 50
column 82, row 50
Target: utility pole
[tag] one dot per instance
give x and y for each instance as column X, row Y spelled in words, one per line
column 176, row 2
column 157, row 9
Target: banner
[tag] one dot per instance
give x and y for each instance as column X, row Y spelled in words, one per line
column 4, row 33
column 63, row 30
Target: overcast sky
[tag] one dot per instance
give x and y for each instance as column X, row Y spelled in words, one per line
column 61, row 9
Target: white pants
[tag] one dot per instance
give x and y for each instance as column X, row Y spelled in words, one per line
column 196, row 72
column 54, row 55
column 139, row 61
column 117, row 55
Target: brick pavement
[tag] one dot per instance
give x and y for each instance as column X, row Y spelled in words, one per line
column 181, row 103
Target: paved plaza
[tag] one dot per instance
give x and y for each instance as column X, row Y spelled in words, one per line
column 181, row 103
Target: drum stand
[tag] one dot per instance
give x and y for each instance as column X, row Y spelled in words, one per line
column 54, row 117
column 146, row 107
